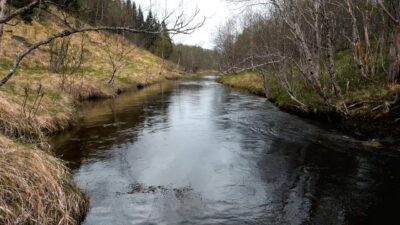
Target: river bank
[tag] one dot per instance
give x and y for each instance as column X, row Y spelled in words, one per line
column 197, row 152
column 36, row 103
column 36, row 185
column 367, row 115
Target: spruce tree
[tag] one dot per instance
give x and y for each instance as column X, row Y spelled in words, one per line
column 140, row 18
column 153, row 42
column 162, row 45
column 149, row 23
column 134, row 15
column 128, row 10
column 168, row 46
column 149, row 26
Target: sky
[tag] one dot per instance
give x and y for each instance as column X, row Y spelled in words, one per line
column 216, row 13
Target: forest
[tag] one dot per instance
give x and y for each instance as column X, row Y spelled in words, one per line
column 323, row 55
column 55, row 55
column 194, row 58
column 105, row 116
column 115, row 14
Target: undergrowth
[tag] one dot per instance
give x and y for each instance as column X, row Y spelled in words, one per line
column 359, row 97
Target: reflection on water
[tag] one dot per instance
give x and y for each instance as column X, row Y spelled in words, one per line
column 195, row 152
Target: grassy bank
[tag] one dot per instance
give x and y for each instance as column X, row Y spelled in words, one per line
column 250, row 82
column 36, row 187
column 367, row 109
column 21, row 117
column 254, row 83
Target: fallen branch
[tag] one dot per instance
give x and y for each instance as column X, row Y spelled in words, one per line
column 252, row 68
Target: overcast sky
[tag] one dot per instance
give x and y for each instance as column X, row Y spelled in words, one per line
column 215, row 11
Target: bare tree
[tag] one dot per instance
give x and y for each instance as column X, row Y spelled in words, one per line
column 315, row 38
column 3, row 11
column 306, row 36
column 181, row 24
column 394, row 49
column 116, row 53
column 6, row 16
column 66, row 59
column 331, row 52
column 358, row 53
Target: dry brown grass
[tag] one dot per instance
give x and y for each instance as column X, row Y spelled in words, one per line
column 57, row 109
column 251, row 82
column 25, row 124
column 36, row 188
column 140, row 66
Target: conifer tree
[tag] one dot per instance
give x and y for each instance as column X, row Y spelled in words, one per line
column 162, row 45
column 149, row 23
column 140, row 18
column 167, row 44
column 134, row 15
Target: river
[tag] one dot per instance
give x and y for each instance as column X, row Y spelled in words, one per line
column 196, row 152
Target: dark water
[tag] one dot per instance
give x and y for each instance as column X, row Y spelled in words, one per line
column 195, row 152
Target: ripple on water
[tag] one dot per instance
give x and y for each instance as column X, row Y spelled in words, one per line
column 195, row 152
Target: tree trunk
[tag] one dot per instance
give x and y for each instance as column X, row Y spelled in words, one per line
column 97, row 11
column 265, row 81
column 102, row 12
column 3, row 10
column 356, row 41
column 283, row 81
column 114, row 72
column 318, row 37
column 331, row 55
column 394, row 56
column 312, row 67
column 367, row 44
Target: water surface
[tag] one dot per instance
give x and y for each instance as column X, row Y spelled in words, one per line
column 196, row 152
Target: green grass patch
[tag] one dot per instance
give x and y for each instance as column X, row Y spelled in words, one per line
column 54, row 95
column 124, row 80
column 90, row 70
column 6, row 63
column 251, row 82
column 10, row 87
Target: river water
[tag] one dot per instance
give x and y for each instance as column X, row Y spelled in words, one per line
column 196, row 152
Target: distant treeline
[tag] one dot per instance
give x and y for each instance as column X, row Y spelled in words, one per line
column 116, row 13
column 194, row 58
column 128, row 14
column 121, row 13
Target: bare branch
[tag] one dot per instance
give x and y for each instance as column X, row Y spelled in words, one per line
column 20, row 11
column 181, row 26
column 382, row 5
